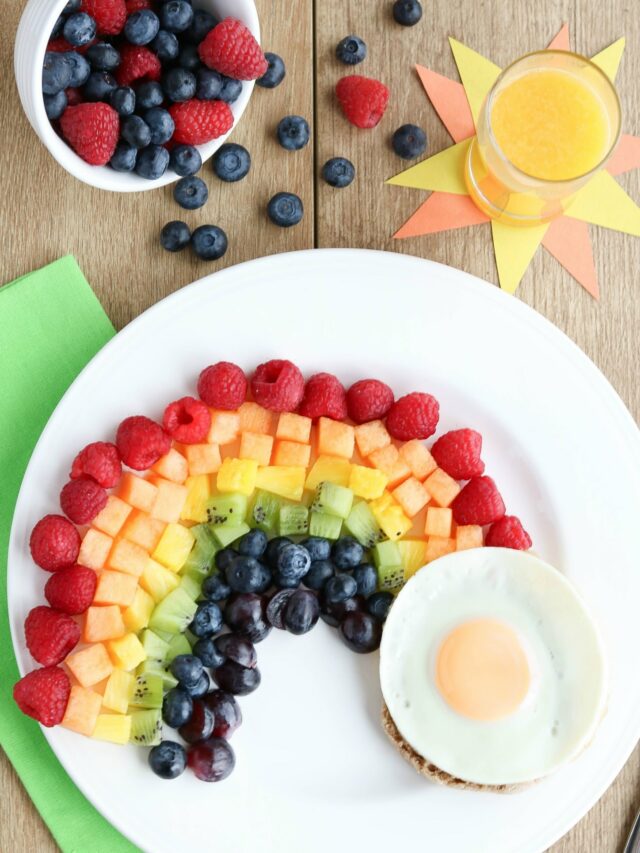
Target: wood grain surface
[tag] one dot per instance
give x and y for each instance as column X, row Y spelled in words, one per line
column 45, row 213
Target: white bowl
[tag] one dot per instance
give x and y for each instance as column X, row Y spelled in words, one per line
column 32, row 36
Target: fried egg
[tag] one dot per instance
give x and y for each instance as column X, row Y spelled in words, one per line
column 492, row 668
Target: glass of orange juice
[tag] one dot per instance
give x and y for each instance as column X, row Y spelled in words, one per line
column 551, row 120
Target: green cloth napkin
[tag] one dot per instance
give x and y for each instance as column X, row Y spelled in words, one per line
column 51, row 324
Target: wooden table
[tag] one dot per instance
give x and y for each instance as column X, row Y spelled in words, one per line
column 46, row 213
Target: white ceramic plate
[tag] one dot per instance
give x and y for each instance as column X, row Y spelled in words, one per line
column 314, row 771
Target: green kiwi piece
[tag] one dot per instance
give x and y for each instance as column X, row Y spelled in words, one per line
column 333, row 500
column 265, row 511
column 388, row 561
column 362, row 525
column 226, row 534
column 146, row 727
column 155, row 647
column 192, row 586
column 147, row 691
column 179, row 645
column 293, row 520
column 327, row 526
column 200, row 560
column 230, row 509
column 173, row 613
column 158, row 669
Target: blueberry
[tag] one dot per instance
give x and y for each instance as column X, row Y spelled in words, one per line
column 203, row 22
column 244, row 574
column 174, row 237
column 266, row 578
column 177, row 708
column 224, row 558
column 56, row 73
column 103, row 56
column 293, row 564
column 378, row 604
column 236, row 679
column 245, row 614
column 293, row 133
column 207, row 620
column 285, row 209
column 141, row 27
column 409, row 141
column 56, row 32
column 79, row 29
column 71, row 6
column 123, row 100
column 301, row 612
column 347, row 553
column 187, row 669
column 80, row 68
column 214, row 588
column 333, row 614
column 179, row 84
column 361, row 632
column 176, row 16
column 319, row 574
column 99, row 86
column 208, row 653
column 275, row 73
column 168, row 759
column 124, row 157
column 338, row 172
column 407, row 12
column 230, row 91
column 185, row 160
column 339, row 588
column 201, row 688
column 149, row 94
column 209, row 85
column 135, row 131
column 318, row 547
column 189, row 57
column 351, row 50
column 366, row 578
column 165, row 46
column 252, row 544
column 231, row 162
column 237, row 648
column 273, row 549
column 209, row 242
column 55, row 105
column 191, row 193
column 161, row 125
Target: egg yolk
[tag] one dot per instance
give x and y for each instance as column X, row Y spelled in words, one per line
column 482, row 671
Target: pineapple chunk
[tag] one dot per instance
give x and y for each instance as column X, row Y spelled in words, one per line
column 412, row 496
column 468, row 536
column 118, row 691
column 195, row 506
column 371, row 436
column 116, row 728
column 389, row 515
column 174, row 547
column 137, row 615
column 238, row 475
column 126, row 652
column 414, row 555
column 158, row 581
column 330, row 469
column 442, row 488
column 366, row 482
column 439, row 521
column 287, row 481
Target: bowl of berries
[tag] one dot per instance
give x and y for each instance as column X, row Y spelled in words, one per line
column 129, row 95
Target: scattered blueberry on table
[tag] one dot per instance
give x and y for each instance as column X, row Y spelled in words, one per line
column 209, row 242
column 175, row 236
column 191, row 192
column 293, row 133
column 275, row 73
column 338, row 172
column 409, row 141
column 285, row 209
column 231, row 162
column 351, row 50
column 407, row 12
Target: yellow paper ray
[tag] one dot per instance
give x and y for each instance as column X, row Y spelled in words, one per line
column 514, row 248
column 444, row 172
column 604, row 202
column 609, row 58
column 477, row 73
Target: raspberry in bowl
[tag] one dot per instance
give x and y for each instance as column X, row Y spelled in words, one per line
column 93, row 127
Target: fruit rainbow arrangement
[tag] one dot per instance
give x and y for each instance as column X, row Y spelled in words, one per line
column 263, row 503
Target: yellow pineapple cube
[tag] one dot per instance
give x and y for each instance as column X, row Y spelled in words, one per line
column 372, row 436
column 174, row 547
column 468, row 536
column 254, row 445
column 203, row 459
column 442, row 488
column 199, row 491
column 439, row 521
column 284, row 480
column 225, row 427
column 389, row 515
column 126, row 652
column 238, row 475
column 137, row 615
column 367, row 483
column 116, row 728
column 335, row 438
column 158, row 581
column 330, row 469
column 438, row 546
column 414, row 555
column 118, row 691
column 412, row 496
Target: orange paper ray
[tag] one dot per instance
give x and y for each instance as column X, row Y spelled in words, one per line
column 449, row 101
column 569, row 242
column 561, row 41
column 626, row 156
column 442, row 212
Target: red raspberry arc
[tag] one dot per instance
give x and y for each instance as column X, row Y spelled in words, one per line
column 414, row 416
column 223, row 386
column 71, row 590
column 141, row 442
column 278, row 385
column 43, row 694
column 368, row 400
column 82, row 499
column 100, row 461
column 187, row 420
column 54, row 543
column 50, row 635
column 479, row 502
column 324, row 396
column 458, row 453
column 508, row 532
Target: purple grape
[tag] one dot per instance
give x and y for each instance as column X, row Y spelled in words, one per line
column 200, row 726
column 211, row 761
column 276, row 607
column 226, row 712
column 236, row 679
column 236, row 648
column 361, row 632
column 245, row 614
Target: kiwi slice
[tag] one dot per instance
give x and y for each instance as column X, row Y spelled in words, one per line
column 157, row 669
column 192, row 586
column 146, row 727
column 332, row 500
column 167, row 636
column 265, row 511
column 227, row 509
column 226, row 534
column 293, row 520
column 362, row 525
column 147, row 691
column 326, row 526
column 173, row 613
column 155, row 647
column 388, row 561
column 200, row 560
column 179, row 645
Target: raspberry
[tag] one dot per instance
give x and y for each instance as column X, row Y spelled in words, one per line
column 71, row 590
column 137, row 63
column 198, row 122
column 109, row 15
column 222, row 385
column 368, row 400
column 187, row 420
column 74, row 97
column 458, row 453
column 43, row 694
column 363, row 99
column 141, row 442
column 324, row 395
column 479, row 502
column 54, row 543
column 81, row 500
column 59, row 45
column 50, row 635
column 100, row 462
column 92, row 131
column 508, row 532
column 137, row 5
column 231, row 49
column 278, row 385
column 413, row 416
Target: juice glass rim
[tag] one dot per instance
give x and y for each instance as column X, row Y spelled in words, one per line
column 608, row 83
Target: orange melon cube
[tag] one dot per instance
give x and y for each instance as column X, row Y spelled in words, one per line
column 291, row 453
column 256, row 446
column 368, row 483
column 253, row 418
column 412, row 496
column 82, row 710
column 91, row 665
column 170, row 499
column 442, row 488
column 418, row 458
column 127, row 652
column 225, row 427
column 335, row 438
column 103, row 623
column 172, row 466
column 112, row 517
column 143, row 530
column 330, row 468
column 438, row 522
column 468, row 536
column 388, row 460
column 371, row 436
column 438, row 546
column 137, row 492
column 203, row 458
column 115, row 588
column 127, row 557
column 94, row 549
column 292, row 427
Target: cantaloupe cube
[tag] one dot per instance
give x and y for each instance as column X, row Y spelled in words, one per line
column 138, row 613
column 371, row 436
column 237, row 475
column 291, row 453
column 438, row 522
column 292, row 427
column 198, row 492
column 254, row 445
column 253, row 418
column 390, row 517
column 82, row 710
column 172, row 466
column 115, row 728
column 94, row 549
column 203, row 458
column 418, row 458
column 330, row 469
column 335, row 438
column 442, row 488
column 367, row 483
column 414, row 555
column 126, row 652
column 113, row 516
column 388, row 459
column 468, row 536
column 158, row 581
column 102, row 623
column 438, row 546
column 90, row 665
column 284, row 480
column 143, row 530
column 118, row 691
column 127, row 557
column 174, row 547
column 169, row 500
column 115, row 588
column 412, row 496
column 137, row 492
column 225, row 427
